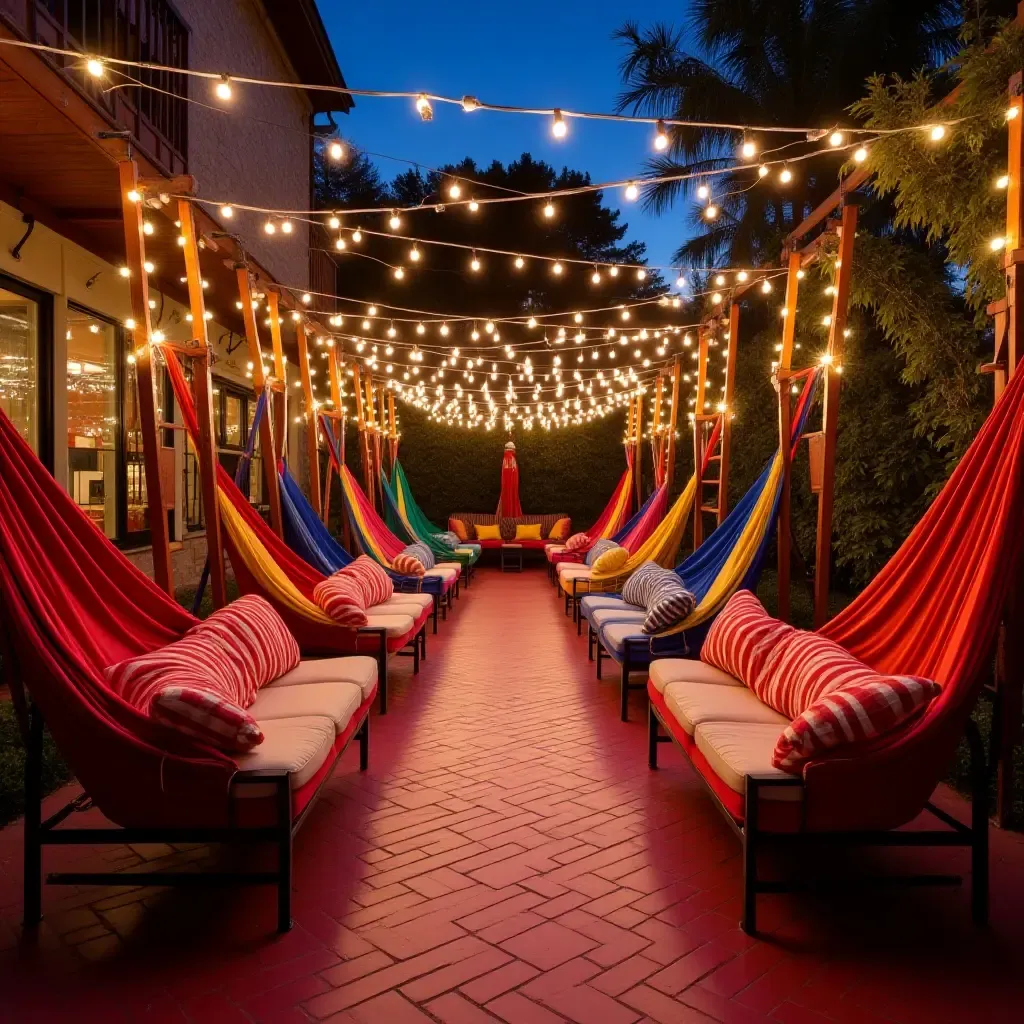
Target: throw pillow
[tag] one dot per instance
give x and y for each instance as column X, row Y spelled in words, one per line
column 420, row 550
column 598, row 548
column 577, row 542
column 485, row 531
column 668, row 604
column 407, row 565
column 341, row 597
column 374, row 582
column 852, row 714
column 449, row 539
column 640, row 582
column 528, row 531
column 459, row 529
column 560, row 531
column 256, row 637
column 742, row 637
column 208, row 717
column 610, row 560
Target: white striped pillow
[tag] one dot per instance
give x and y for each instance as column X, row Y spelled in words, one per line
column 256, row 636
column 577, row 542
column 207, row 717
column 197, row 661
column 373, row 580
column 852, row 714
column 341, row 597
column 668, row 603
column 742, row 637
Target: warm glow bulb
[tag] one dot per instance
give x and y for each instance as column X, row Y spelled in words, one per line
column 414, row 254
column 632, row 191
column 661, row 137
column 1003, row 181
column 997, row 243
column 703, row 192
column 454, row 190
column 762, row 171
column 557, row 268
column 613, row 271
column 710, row 211
column 1012, row 112
column 749, row 150
column 223, row 88
column 474, row 263
column 339, row 244
column 395, row 222
column 595, row 277
column 399, row 273
column 835, row 140
column 860, row 154
column 938, row 133
column 270, row 227
column 549, row 210
column 520, row 263
column 641, row 274
column 335, row 150
column 95, row 68
column 766, row 287
column 680, row 281
column 558, row 126
column 473, row 206
column 357, row 235
column 786, row 176
column 227, row 212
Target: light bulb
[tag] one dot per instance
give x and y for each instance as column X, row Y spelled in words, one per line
column 454, row 191
column 336, row 150
column 860, row 154
column 286, row 226
column 420, row 329
column 835, row 140
column 426, row 111
column 395, row 222
column 270, row 228
column 549, row 210
column 134, row 196
column 558, row 126
column 532, row 322
column 661, row 137
column 595, row 277
column 147, row 228
column 710, row 211
column 762, row 171
column 1003, row 181
column 470, row 103
column 125, row 272
column 632, row 191
column 997, row 243
column 95, row 68
column 227, row 212
column 334, row 222
column 703, row 192
column 129, row 324
column 557, row 268
column 742, row 276
column 1012, row 112
column 641, row 274
column 749, row 150
column 786, row 176
column 680, row 281
column 357, row 235
column 399, row 273
column 444, row 334
column 938, row 132
column 474, row 263
column 339, row 244
column 414, row 254
column 473, row 206
column 307, row 299
column 613, row 271
column 520, row 263
column 372, row 311
column 766, row 287
column 720, row 280
column 223, row 88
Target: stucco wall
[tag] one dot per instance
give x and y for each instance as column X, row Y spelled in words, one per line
column 240, row 159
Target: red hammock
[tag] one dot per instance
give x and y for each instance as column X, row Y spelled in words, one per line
column 508, row 503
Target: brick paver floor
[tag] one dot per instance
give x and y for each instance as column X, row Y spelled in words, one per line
column 510, row 857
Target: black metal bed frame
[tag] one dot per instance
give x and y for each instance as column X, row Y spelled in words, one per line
column 755, row 839
column 39, row 833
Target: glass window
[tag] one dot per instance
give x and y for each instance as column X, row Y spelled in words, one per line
column 19, row 364
column 136, row 502
column 233, row 420
column 94, row 348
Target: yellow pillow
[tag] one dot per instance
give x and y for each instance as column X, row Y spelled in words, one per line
column 560, row 531
column 528, row 532
column 458, row 527
column 611, row 561
column 488, row 532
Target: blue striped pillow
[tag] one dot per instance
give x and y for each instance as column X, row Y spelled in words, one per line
column 599, row 547
column 640, row 582
column 421, row 553
column 668, row 603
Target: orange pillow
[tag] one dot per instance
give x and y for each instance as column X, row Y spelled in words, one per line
column 529, row 531
column 560, row 531
column 458, row 527
column 492, row 532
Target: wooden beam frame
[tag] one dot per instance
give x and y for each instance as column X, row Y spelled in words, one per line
column 727, row 412
column 393, row 436
column 638, row 449
column 670, row 459
column 364, row 442
column 259, row 382
column 698, row 435
column 202, row 387
column 657, row 435
column 279, row 396
column 138, row 286
column 832, row 371
column 303, row 330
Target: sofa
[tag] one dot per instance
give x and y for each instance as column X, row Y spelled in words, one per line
column 508, row 528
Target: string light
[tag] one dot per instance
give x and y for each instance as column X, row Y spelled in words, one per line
column 474, row 263
column 558, row 125
column 426, row 111
column 938, row 133
column 860, row 154
column 1003, row 181
column 632, row 191
column 762, row 171
column 520, row 263
column 223, row 88
column 334, row 222
column 549, row 210
column 749, row 149
column 473, row 206
column 414, row 254
column 95, row 68
column 836, row 139
column 227, row 212
column 786, row 176
column 556, row 269
column 660, row 137
column 710, row 211
column 395, row 222
column 336, row 151
column 454, row 190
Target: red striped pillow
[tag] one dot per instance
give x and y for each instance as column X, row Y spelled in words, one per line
column 373, row 580
column 199, row 660
column 742, row 637
column 341, row 597
column 853, row 714
column 577, row 542
column 803, row 668
column 208, row 717
column 408, row 565
column 256, row 636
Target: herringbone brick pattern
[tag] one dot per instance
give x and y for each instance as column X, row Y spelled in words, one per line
column 509, row 857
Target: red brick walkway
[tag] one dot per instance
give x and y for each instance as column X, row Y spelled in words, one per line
column 510, row 857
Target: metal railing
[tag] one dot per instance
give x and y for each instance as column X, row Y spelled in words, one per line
column 138, row 30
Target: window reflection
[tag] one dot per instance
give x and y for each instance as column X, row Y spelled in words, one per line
column 19, row 359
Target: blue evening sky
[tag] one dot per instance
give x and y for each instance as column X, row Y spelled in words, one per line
column 523, row 53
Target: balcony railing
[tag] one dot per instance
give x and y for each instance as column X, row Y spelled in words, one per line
column 150, row 104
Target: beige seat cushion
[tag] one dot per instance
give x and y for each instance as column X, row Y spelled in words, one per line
column 298, row 746
column 455, row 567
column 398, row 607
column 675, row 670
column 441, row 573
column 396, row 625
column 573, row 570
column 336, row 701
column 737, row 749
column 358, row 669
column 693, row 704
column 553, row 548
column 399, row 600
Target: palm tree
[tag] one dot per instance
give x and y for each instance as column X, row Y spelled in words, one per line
column 766, row 62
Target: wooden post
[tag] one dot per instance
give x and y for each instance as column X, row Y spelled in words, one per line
column 698, row 436
column 782, row 384
column 393, row 438
column 727, row 413
column 278, row 395
column 202, row 386
column 370, row 419
column 832, row 371
column 673, row 420
column 383, row 429
column 302, row 332
column 656, row 435
column 364, row 444
column 259, row 382
column 138, row 286
column 638, row 448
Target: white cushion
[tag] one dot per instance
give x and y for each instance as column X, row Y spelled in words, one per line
column 413, row 611
column 336, row 701
column 399, row 600
column 441, row 573
column 592, row 602
column 358, row 669
column 571, row 570
column 623, row 613
column 395, row 625
column 737, row 749
column 693, row 704
column 675, row 670
column 298, row 746
column 455, row 567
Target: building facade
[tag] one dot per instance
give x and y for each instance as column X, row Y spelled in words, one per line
column 66, row 371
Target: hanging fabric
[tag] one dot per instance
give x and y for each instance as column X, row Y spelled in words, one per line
column 508, row 503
